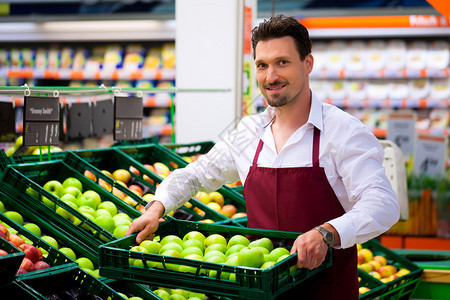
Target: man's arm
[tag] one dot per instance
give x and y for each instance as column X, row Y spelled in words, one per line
column 148, row 222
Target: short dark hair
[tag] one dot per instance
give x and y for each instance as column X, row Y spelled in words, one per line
column 281, row 26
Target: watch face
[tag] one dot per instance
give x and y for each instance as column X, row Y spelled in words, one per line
column 329, row 238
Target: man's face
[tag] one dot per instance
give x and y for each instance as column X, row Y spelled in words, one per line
column 279, row 70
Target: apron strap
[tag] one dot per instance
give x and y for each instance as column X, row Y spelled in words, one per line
column 258, row 150
column 316, row 143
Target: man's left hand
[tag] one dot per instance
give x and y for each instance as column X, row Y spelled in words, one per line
column 311, row 249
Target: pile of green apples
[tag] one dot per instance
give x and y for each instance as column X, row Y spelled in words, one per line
column 88, row 203
column 238, row 250
column 178, row 294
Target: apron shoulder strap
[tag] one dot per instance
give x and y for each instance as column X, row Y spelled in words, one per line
column 258, row 150
column 316, row 143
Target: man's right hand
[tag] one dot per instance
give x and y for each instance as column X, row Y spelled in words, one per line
column 147, row 223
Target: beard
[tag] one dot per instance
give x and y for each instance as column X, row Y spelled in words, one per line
column 277, row 100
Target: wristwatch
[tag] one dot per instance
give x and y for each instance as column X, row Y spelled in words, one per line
column 328, row 237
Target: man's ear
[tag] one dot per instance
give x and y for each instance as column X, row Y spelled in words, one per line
column 309, row 63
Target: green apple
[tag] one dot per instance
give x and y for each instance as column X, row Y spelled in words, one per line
column 189, row 269
column 251, row 257
column 219, row 247
column 121, row 222
column 232, row 261
column 135, row 298
column 180, row 292
column 214, row 253
column 194, row 235
column 239, row 240
column 215, row 259
column 171, row 245
column 64, row 213
column 69, row 197
column 85, row 226
column 73, row 191
column 177, row 297
column 268, row 264
column 55, row 187
column 49, row 202
column 106, row 222
column 269, row 257
column 50, row 240
column 35, row 229
column 87, row 200
column 122, row 215
column 103, row 212
column 68, row 252
column 234, row 249
column 132, row 261
column 162, row 294
column 283, row 257
column 264, row 250
column 15, row 216
column 174, row 253
column 94, row 195
column 279, row 251
column 88, row 210
column 171, row 239
column 119, row 231
column 191, row 250
column 215, row 239
column 192, row 243
column 32, row 192
column 2, row 207
column 109, row 206
column 197, row 295
column 262, row 242
column 151, row 246
column 74, row 182
column 85, row 263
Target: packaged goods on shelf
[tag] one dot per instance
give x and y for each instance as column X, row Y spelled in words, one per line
column 438, row 56
column 134, row 57
column 4, row 58
column 79, row 58
column 396, row 55
column 153, row 58
column 376, row 54
column 41, row 58
column 113, row 57
column 357, row 56
column 67, row 55
column 28, row 58
column 416, row 55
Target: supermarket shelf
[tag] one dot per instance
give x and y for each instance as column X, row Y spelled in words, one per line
column 382, row 74
column 419, row 243
column 390, row 103
column 68, row 74
column 381, row 133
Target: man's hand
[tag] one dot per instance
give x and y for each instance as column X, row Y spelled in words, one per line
column 147, row 223
column 311, row 247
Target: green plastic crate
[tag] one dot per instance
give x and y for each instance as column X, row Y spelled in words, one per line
column 22, row 159
column 19, row 290
column 64, row 238
column 9, row 263
column 131, row 289
column 189, row 149
column 402, row 287
column 71, row 278
column 4, row 160
column 113, row 159
column 149, row 140
column 19, row 178
column 251, row 283
column 376, row 287
column 54, row 258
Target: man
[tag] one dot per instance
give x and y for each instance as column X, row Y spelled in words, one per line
column 306, row 167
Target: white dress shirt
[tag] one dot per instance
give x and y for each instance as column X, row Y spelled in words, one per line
column 350, row 154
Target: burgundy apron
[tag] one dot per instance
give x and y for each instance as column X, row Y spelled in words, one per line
column 298, row 199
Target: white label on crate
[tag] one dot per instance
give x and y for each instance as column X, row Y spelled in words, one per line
column 401, row 131
column 429, row 156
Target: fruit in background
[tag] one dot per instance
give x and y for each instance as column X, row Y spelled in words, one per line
column 366, row 267
column 234, row 249
column 215, row 239
column 15, row 216
column 70, row 190
column 122, row 175
column 40, row 265
column 106, row 222
column 21, row 271
column 2, row 207
column 238, row 239
column 194, row 235
column 203, row 197
column 88, row 210
column 375, row 274
column 262, row 242
column 85, row 263
column 374, row 264
column 267, row 264
column 68, row 252
column 94, row 195
column 191, row 250
column 64, row 213
column 104, row 185
column 74, row 182
column 162, row 294
column 107, row 173
column 122, row 215
column 87, row 200
column 122, row 222
column 381, row 259
column 90, row 175
column 70, row 198
column 214, row 206
column 118, row 193
column 32, row 192
column 251, row 257
column 402, row 272
column 35, row 229
column 228, row 210
column 174, row 253
column 54, row 187
column 214, row 253
column 31, row 252
column 130, row 201
column 171, row 238
column 4, row 232
column 109, row 206
column 151, row 246
column 16, row 240
column 3, row 252
column 135, row 262
column 171, row 246
column 219, row 247
column 278, row 252
column 364, row 256
column 134, row 170
column 206, row 221
column 103, row 212
column 216, row 197
column 136, row 189
column 192, row 243
column 148, row 197
column 27, row 265
column 386, row 271
column 363, row 290
column 239, row 215
column 161, row 169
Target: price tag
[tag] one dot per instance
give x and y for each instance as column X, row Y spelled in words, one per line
column 7, row 121
column 79, row 118
column 429, row 156
column 401, row 130
column 128, row 112
column 103, row 118
column 41, row 121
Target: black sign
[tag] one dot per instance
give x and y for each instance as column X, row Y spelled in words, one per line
column 7, row 121
column 128, row 113
column 41, row 121
column 79, row 120
column 103, row 117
